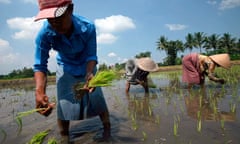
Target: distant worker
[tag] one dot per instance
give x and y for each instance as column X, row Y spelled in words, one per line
column 196, row 67
column 137, row 71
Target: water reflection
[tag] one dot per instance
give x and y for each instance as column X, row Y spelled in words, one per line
column 139, row 107
column 201, row 106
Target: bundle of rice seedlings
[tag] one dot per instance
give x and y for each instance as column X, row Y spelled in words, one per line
column 101, row 79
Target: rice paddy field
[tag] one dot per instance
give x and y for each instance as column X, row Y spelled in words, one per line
column 169, row 114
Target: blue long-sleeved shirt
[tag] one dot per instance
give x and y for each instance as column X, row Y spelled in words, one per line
column 73, row 53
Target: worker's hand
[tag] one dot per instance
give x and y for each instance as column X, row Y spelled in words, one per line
column 44, row 105
column 221, row 81
column 88, row 77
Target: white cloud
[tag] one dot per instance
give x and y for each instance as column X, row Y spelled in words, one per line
column 5, row 1
column 3, row 44
column 174, row 27
column 106, row 38
column 212, row 2
column 109, row 25
column 114, row 23
column 26, row 27
column 227, row 4
column 30, row 1
column 8, row 59
column 112, row 54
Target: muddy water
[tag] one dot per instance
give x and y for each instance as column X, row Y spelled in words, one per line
column 170, row 114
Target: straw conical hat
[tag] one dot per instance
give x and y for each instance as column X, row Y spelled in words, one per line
column 147, row 64
column 222, row 59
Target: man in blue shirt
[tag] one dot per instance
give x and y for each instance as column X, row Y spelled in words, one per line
column 74, row 39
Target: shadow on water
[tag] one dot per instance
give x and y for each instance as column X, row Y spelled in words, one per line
column 169, row 114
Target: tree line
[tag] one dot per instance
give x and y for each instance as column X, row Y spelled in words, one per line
column 211, row 44
column 21, row 73
column 206, row 44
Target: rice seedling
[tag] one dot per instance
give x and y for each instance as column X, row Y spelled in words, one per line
column 222, row 124
column 4, row 134
column 144, row 136
column 232, row 107
column 199, row 121
column 150, row 111
column 134, row 125
column 199, row 125
column 52, row 141
column 39, row 137
column 157, row 120
column 175, row 127
column 19, row 116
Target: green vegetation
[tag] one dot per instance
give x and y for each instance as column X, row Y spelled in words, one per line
column 20, row 115
column 103, row 78
column 39, row 137
column 21, row 73
column 212, row 44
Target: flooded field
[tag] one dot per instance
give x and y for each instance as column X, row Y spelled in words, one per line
column 169, row 114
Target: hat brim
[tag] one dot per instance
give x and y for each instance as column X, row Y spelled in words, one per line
column 222, row 60
column 149, row 67
column 46, row 13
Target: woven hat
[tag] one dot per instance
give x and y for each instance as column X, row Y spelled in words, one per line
column 51, row 8
column 222, row 59
column 147, row 64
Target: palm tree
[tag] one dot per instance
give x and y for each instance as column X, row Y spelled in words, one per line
column 171, row 48
column 227, row 43
column 189, row 42
column 162, row 43
column 199, row 39
column 212, row 42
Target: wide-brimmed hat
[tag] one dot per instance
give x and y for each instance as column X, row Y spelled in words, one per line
column 51, row 8
column 147, row 64
column 222, row 60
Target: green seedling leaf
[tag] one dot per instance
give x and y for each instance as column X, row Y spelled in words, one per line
column 2, row 132
column 52, row 141
column 39, row 137
column 23, row 114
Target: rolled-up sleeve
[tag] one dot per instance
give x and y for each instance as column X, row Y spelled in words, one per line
column 41, row 54
column 92, row 44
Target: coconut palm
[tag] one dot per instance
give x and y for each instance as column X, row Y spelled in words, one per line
column 212, row 42
column 227, row 43
column 199, row 39
column 171, row 48
column 162, row 43
column 189, row 41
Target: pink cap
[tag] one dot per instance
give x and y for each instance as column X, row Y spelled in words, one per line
column 51, row 8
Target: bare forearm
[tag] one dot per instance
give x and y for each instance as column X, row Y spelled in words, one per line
column 90, row 67
column 215, row 79
column 41, row 81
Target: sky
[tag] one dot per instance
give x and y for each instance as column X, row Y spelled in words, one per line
column 124, row 28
